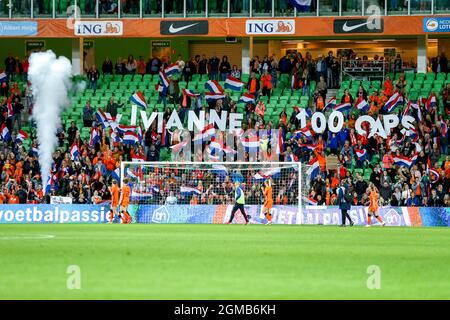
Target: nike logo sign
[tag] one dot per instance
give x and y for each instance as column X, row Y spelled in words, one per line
column 347, row 28
column 172, row 29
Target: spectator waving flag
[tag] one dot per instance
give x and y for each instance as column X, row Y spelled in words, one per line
column 5, row 133
column 247, row 98
column 301, row 5
column 95, row 137
column 431, row 102
column 362, row 104
column 214, row 86
column 212, row 154
column 3, row 77
column 394, row 101
column 172, row 69
column 233, row 83
column 22, row 135
column 74, row 152
column 343, row 107
column 305, row 131
column 361, row 154
column 139, row 99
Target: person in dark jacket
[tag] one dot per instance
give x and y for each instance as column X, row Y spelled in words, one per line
column 344, row 205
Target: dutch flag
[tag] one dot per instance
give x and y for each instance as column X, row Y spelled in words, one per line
column 10, row 110
column 22, row 135
column 5, row 133
column 301, row 5
column 310, row 201
column 3, row 77
column 331, row 103
column 116, row 137
column 214, row 86
column 264, row 174
column 403, row 161
column 189, row 190
column 177, row 147
column 251, row 142
column 233, row 83
column 343, row 107
column 211, row 96
column 207, row 131
column 444, row 128
column 361, row 154
column 74, row 152
column 94, row 138
column 116, row 174
column 310, row 147
column 172, row 69
column 139, row 99
column 415, row 105
column 394, row 101
column 247, row 98
column 314, row 168
column 103, row 118
column 130, row 138
column 189, row 93
column 434, row 175
column 51, row 182
column 305, row 131
column 164, row 80
column 431, row 102
column 362, row 104
column 212, row 154
column 280, row 143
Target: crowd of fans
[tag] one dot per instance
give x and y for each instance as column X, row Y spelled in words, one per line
column 86, row 180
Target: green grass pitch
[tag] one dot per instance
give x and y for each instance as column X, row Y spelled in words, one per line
column 223, row 262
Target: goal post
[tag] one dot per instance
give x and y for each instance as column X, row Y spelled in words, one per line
column 211, row 183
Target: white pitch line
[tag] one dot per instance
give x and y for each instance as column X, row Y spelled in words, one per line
column 27, row 237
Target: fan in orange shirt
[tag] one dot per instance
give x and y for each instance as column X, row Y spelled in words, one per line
column 268, row 201
column 114, row 200
column 373, row 205
column 124, row 202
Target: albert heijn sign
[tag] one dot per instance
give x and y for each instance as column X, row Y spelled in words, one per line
column 270, row 27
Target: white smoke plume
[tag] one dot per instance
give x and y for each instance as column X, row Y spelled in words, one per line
column 50, row 79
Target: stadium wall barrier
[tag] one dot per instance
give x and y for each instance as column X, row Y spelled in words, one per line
column 208, row 214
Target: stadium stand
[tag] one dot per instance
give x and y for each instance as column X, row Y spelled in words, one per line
column 425, row 183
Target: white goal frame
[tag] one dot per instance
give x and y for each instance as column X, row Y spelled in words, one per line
column 299, row 165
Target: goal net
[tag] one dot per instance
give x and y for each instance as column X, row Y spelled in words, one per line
column 169, row 184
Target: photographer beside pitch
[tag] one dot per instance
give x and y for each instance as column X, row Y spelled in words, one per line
column 344, row 199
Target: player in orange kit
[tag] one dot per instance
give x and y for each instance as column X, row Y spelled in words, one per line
column 268, row 200
column 124, row 202
column 373, row 205
column 114, row 200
